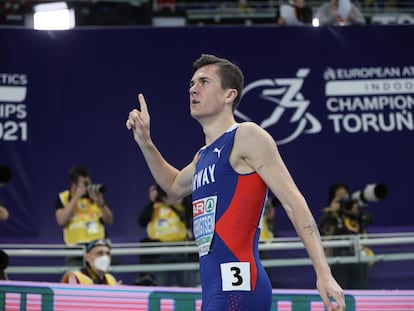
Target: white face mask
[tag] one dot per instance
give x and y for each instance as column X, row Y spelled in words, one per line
column 102, row 263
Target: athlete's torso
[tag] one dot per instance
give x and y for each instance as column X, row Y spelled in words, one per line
column 227, row 208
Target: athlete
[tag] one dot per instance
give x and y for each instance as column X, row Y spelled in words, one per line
column 229, row 178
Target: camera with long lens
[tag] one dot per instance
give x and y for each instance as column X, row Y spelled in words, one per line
column 371, row 193
column 95, row 187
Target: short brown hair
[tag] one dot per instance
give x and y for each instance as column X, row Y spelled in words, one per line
column 230, row 74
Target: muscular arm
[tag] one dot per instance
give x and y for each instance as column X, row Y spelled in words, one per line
column 174, row 182
column 258, row 149
column 254, row 149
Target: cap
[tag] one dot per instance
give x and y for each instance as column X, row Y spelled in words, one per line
column 100, row 242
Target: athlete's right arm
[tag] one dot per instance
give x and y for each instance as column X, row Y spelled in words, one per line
column 176, row 183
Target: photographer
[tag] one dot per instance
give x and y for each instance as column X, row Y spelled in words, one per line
column 266, row 229
column 168, row 220
column 295, row 12
column 5, row 177
column 343, row 216
column 82, row 211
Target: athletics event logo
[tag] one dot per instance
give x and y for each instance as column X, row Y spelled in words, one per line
column 280, row 101
column 357, row 100
column 370, row 99
column 13, row 88
column 13, row 113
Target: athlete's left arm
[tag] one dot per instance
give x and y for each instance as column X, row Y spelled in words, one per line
column 256, row 147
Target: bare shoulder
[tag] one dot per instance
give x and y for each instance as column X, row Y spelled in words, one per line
column 252, row 147
column 250, row 134
column 249, row 127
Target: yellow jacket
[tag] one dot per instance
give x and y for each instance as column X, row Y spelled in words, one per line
column 77, row 277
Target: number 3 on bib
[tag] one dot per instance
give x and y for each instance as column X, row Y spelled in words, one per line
column 235, row 276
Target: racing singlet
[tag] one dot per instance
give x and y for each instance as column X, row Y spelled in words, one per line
column 227, row 211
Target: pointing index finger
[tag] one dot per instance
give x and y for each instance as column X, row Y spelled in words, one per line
column 142, row 103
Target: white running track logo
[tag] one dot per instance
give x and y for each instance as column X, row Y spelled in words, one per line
column 284, row 94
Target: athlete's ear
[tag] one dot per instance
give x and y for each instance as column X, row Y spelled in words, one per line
column 231, row 94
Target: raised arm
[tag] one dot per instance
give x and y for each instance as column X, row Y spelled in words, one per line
column 255, row 147
column 176, row 183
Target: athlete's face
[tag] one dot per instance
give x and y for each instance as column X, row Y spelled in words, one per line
column 207, row 97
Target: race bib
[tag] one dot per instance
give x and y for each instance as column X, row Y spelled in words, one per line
column 235, row 276
column 204, row 214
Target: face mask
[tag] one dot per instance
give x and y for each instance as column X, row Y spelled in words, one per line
column 102, row 263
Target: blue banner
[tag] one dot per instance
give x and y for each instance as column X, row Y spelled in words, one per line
column 338, row 100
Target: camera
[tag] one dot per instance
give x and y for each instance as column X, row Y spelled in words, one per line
column 371, row 193
column 96, row 187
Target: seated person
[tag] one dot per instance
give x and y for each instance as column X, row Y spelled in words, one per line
column 97, row 262
column 295, row 12
column 339, row 12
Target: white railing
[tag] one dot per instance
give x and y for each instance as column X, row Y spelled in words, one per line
column 400, row 242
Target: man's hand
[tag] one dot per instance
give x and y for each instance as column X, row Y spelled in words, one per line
column 97, row 197
column 80, row 190
column 139, row 122
column 329, row 288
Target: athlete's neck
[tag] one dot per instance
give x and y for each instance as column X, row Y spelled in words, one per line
column 214, row 130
